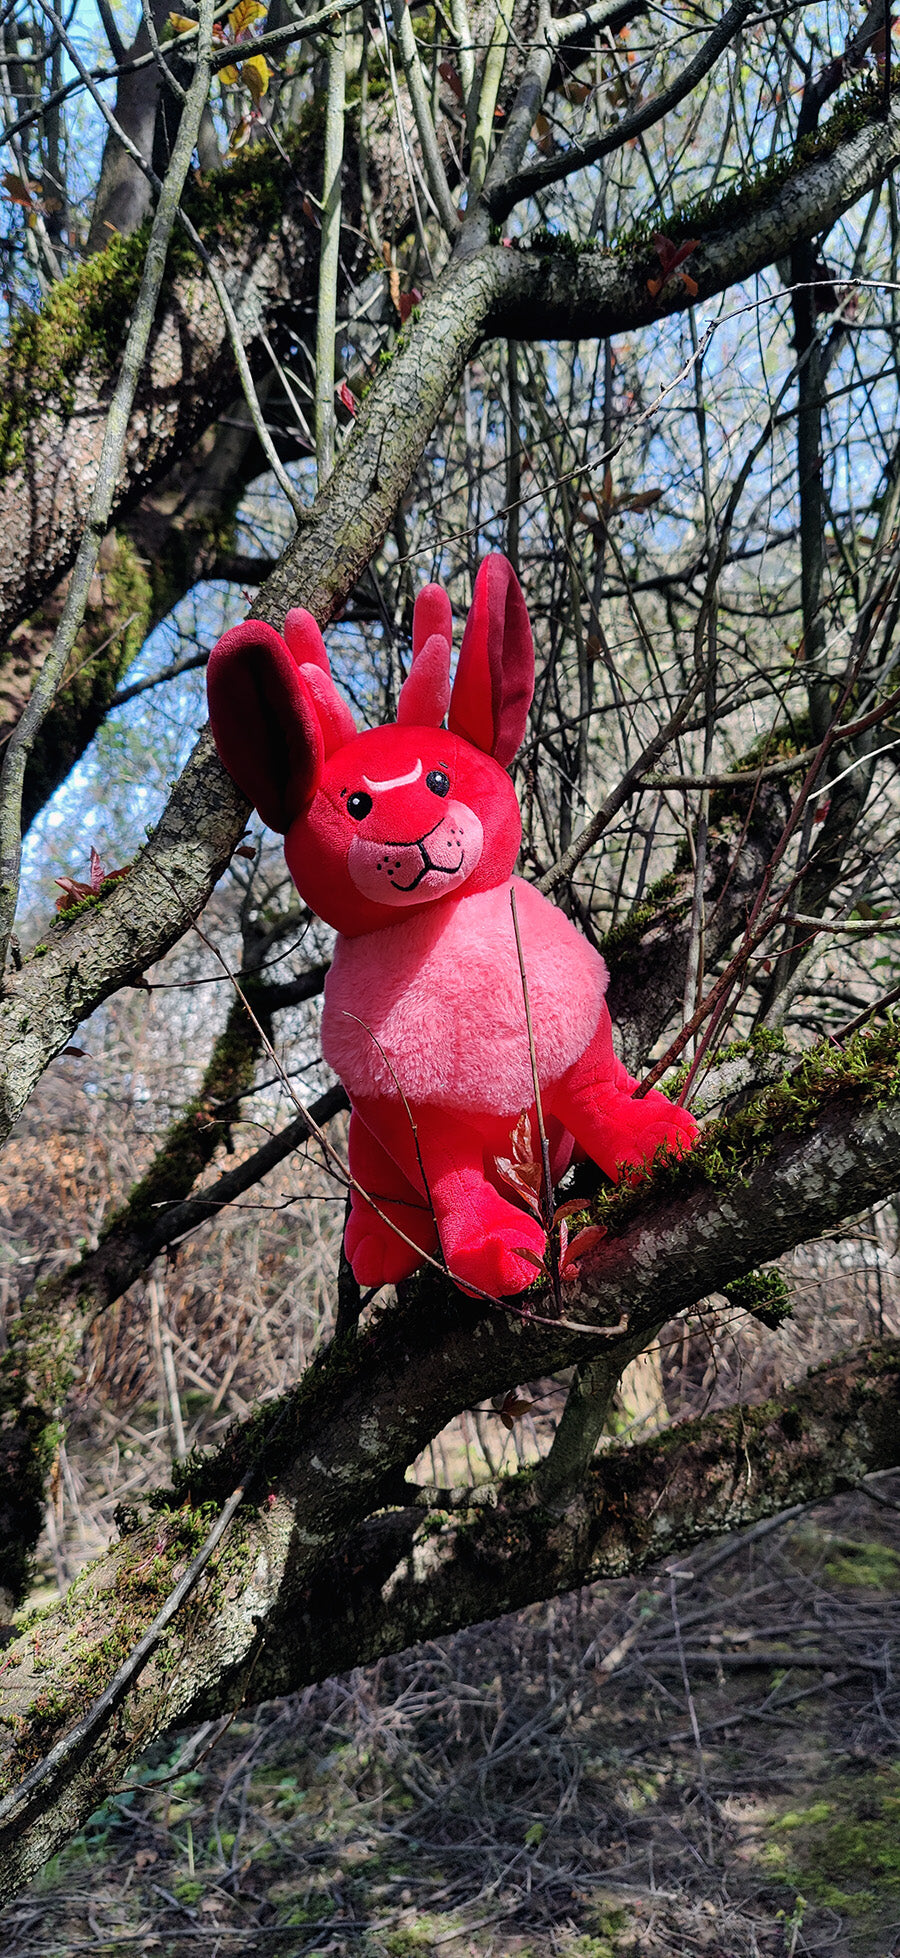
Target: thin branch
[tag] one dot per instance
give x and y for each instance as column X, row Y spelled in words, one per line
column 585, row 840
column 527, row 183
column 418, row 94
column 329, row 252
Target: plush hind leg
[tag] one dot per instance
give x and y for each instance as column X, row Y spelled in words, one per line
column 376, row 1250
column 595, row 1100
column 481, row 1231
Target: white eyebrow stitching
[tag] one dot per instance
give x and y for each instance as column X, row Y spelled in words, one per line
column 397, row 782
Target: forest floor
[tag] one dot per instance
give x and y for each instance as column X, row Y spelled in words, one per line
column 705, row 1763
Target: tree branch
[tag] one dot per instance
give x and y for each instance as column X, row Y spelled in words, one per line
column 808, row 1154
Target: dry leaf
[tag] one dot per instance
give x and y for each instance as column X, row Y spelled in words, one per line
column 19, row 190
column 640, row 499
column 511, row 1410
column 255, row 73
column 244, row 15
column 449, row 75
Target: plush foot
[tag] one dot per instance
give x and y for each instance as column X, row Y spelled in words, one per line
column 378, row 1255
column 491, row 1262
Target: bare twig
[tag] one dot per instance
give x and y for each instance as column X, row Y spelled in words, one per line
column 329, row 252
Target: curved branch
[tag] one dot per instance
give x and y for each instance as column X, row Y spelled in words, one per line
column 551, row 171
column 412, row 1575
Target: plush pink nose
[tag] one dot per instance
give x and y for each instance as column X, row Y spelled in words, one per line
column 428, row 867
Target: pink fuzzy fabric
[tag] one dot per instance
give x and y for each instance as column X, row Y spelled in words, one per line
column 404, row 838
column 442, row 994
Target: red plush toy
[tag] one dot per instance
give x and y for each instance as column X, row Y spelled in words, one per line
column 404, row 838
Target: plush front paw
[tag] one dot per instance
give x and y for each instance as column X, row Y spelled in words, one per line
column 658, row 1124
column 491, row 1261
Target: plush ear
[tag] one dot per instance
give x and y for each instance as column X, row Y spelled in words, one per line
column 425, row 693
column 307, row 646
column 495, row 677
column 431, row 614
column 265, row 721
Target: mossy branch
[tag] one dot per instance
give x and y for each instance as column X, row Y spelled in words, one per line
column 334, row 1451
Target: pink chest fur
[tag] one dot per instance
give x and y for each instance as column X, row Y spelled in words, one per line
column 442, row 994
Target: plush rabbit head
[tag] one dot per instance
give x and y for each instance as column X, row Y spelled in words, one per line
column 383, row 823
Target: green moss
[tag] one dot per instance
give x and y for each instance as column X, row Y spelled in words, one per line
column 85, row 317
column 865, row 1566
column 714, row 211
column 116, row 621
column 82, row 316
column 843, row 1851
column 418, row 1938
column 764, row 1294
column 656, row 906
column 188, row 1889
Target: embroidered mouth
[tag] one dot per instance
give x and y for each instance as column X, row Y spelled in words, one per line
column 443, row 869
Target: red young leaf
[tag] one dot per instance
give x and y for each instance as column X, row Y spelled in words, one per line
column 245, row 850
column 407, row 301
column 75, row 1053
column 671, row 257
column 449, row 75
column 73, row 892
column 348, row 399
column 523, row 1171
column 581, row 1246
column 525, row 1178
column 531, row 1257
column 569, row 1209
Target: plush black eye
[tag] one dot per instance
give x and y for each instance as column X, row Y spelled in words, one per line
column 437, row 781
column 359, row 804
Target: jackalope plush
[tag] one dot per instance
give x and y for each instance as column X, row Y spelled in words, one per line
column 404, row 838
